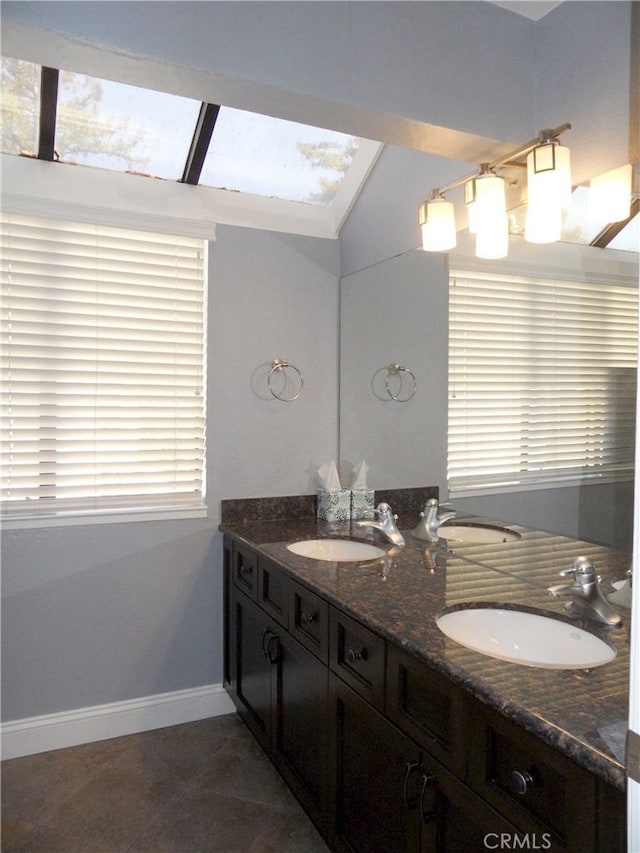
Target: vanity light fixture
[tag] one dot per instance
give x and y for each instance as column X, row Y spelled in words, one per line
column 549, row 176
column 438, row 224
column 610, row 194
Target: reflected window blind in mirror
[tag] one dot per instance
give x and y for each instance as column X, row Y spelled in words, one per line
column 102, row 369
column 542, row 381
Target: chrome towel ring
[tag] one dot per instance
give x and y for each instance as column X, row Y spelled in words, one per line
column 279, row 365
column 394, row 370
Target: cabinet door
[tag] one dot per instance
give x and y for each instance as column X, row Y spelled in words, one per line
column 455, row 820
column 374, row 779
column 255, row 640
column 301, row 726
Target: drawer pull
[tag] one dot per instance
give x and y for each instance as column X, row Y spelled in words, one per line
column 307, row 618
column 271, row 653
column 266, row 636
column 271, row 646
column 521, row 782
column 353, row 656
column 412, row 767
column 428, row 816
column 244, row 571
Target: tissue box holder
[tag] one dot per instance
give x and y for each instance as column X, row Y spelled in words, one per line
column 334, row 506
column 362, row 503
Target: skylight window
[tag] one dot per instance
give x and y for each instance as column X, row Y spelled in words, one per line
column 628, row 239
column 270, row 157
column 87, row 121
column 20, row 106
column 124, row 128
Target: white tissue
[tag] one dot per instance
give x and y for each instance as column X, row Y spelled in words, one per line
column 328, row 477
column 360, row 478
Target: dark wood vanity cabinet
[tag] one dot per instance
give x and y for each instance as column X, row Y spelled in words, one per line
column 390, row 795
column 386, row 754
column 279, row 687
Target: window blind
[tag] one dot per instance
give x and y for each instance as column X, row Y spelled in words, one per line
column 542, row 381
column 102, row 368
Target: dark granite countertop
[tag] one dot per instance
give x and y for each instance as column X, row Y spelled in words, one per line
column 582, row 713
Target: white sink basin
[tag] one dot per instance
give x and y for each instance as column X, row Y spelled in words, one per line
column 469, row 534
column 336, row 550
column 525, row 638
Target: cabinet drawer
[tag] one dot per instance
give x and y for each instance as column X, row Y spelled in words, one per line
column 426, row 706
column 356, row 654
column 532, row 784
column 273, row 591
column 245, row 570
column 309, row 620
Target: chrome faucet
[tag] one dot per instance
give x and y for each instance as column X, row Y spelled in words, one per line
column 431, row 521
column 587, row 599
column 386, row 524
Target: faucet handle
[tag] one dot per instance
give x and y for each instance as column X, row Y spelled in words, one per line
column 582, row 569
column 382, row 509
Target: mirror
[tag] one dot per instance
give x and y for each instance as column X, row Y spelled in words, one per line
column 395, row 313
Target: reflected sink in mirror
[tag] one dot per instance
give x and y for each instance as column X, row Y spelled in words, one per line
column 531, row 639
column 476, row 534
column 336, row 550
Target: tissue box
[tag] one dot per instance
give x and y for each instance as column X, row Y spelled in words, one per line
column 334, row 506
column 362, row 501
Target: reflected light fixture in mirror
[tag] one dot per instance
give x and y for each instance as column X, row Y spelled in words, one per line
column 610, row 194
column 492, row 226
column 437, row 224
column 548, row 191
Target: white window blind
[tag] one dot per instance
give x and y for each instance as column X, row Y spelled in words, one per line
column 542, row 381
column 102, row 369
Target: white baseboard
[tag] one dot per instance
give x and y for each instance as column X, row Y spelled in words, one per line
column 99, row 722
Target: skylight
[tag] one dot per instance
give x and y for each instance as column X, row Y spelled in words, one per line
column 119, row 127
column 267, row 156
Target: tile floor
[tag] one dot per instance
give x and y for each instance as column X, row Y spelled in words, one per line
column 203, row 786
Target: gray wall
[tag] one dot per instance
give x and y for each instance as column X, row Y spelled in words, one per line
column 395, row 312
column 95, row 614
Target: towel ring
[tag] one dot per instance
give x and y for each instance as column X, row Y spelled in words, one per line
column 397, row 370
column 278, row 365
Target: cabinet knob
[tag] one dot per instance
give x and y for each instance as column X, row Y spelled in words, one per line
column 243, row 570
column 307, row 618
column 359, row 654
column 521, row 782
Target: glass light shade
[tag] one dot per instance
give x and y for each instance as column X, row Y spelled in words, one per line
column 470, row 204
column 610, row 194
column 438, row 225
column 543, row 223
column 548, row 190
column 492, row 225
column 549, row 174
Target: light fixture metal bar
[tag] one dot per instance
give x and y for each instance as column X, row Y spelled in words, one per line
column 516, row 154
